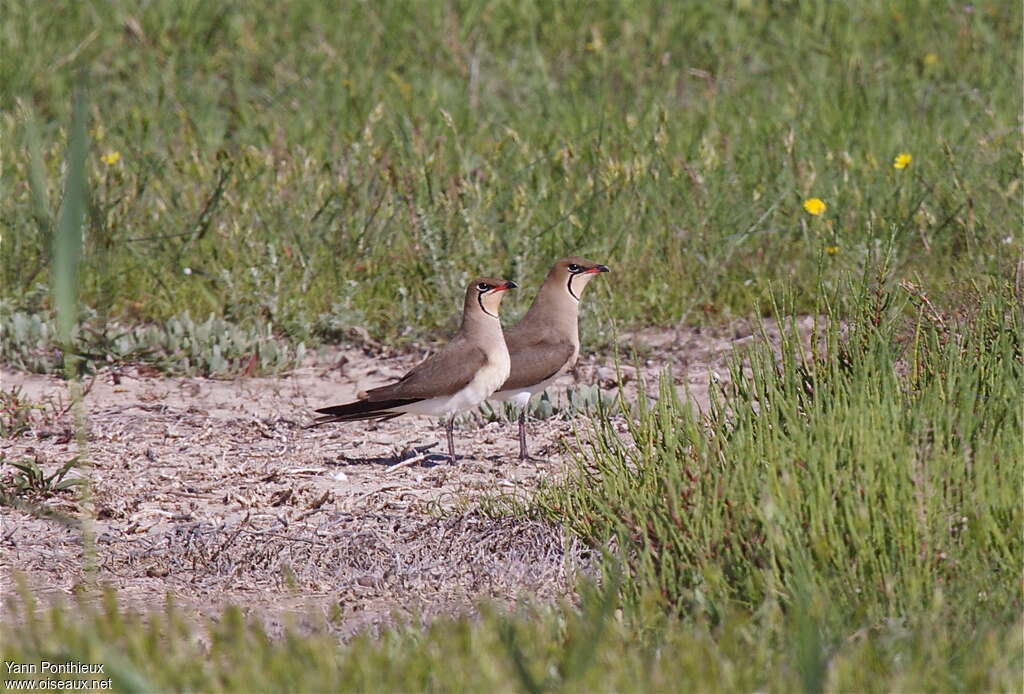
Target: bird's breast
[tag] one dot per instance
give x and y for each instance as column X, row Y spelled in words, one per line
column 495, row 372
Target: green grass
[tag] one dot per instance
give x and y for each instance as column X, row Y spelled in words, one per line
column 313, row 168
column 882, row 468
column 532, row 650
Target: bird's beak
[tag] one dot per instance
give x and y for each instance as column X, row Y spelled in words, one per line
column 596, row 269
column 508, row 285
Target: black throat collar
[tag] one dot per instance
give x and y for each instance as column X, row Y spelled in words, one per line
column 480, row 300
column 568, row 285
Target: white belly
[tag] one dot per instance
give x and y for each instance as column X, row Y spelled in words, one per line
column 484, row 383
column 521, row 396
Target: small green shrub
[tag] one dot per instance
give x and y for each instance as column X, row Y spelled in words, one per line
column 179, row 345
column 28, row 481
column 577, row 400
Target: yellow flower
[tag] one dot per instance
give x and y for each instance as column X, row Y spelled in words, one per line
column 815, row 206
column 931, row 59
column 111, row 158
column 832, row 250
column 902, row 160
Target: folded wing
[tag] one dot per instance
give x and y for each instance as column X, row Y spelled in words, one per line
column 440, row 375
column 535, row 359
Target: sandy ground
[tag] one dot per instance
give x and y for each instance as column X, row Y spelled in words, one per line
column 214, row 492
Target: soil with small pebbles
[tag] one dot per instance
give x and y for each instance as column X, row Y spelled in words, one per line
column 215, row 492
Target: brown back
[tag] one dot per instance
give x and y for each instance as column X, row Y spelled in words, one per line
column 454, row 366
column 444, row 373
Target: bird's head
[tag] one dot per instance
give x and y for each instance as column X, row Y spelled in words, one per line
column 486, row 293
column 574, row 273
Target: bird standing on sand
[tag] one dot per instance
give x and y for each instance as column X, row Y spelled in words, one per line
column 459, row 377
column 546, row 342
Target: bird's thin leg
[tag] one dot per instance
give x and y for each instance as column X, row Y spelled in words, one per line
column 523, row 454
column 449, row 428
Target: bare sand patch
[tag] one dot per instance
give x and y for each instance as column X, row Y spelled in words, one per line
column 214, row 492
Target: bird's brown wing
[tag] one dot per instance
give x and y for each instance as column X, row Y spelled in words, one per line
column 535, row 359
column 441, row 374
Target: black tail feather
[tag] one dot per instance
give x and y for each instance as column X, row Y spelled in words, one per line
column 361, row 409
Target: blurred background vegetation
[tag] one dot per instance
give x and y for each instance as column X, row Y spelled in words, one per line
column 303, row 167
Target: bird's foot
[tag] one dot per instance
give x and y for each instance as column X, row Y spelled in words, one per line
column 440, row 457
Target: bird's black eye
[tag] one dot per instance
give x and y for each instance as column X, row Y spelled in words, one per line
column 483, row 287
column 573, row 267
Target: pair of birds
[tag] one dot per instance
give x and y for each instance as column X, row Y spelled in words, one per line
column 481, row 362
